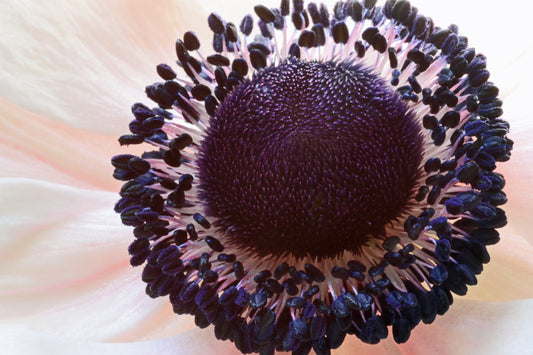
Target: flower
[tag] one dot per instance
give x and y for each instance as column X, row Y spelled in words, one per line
column 56, row 192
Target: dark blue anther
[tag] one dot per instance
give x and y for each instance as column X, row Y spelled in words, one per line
column 430, row 122
column 247, row 25
column 311, row 291
column 198, row 218
column 401, row 11
column 356, row 275
column 166, row 72
column 390, row 243
column 339, row 273
column 373, row 330
column 273, row 286
column 128, row 139
column 434, row 194
column 432, row 164
column 209, row 275
column 451, row 119
column 227, row 258
column 313, row 272
column 189, row 292
column 216, row 24
column 466, row 274
column 340, row 308
column 214, row 243
column 242, row 297
column 296, row 302
column 228, row 296
column 257, row 300
column 364, row 301
column 454, row 283
column 340, row 32
column 299, row 276
column 401, row 330
column 290, row 287
column 258, row 59
column 141, row 112
column 393, row 258
column 443, row 298
column 414, row 229
column 262, row 276
column 414, row 84
column 192, row 231
column 294, row 50
column 318, row 327
column 281, row 270
column 464, row 201
column 299, row 329
column 393, row 60
column 298, row 20
column 320, row 35
column 322, row 307
column 238, row 270
column 442, row 250
column 307, row 39
column 438, row 274
column 376, row 270
column 139, row 246
column 264, row 13
column 438, row 135
column 422, row 193
column 356, row 266
column 476, row 127
column 263, row 326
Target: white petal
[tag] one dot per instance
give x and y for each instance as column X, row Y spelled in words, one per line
column 23, row 341
column 65, row 270
column 38, row 147
column 509, row 273
column 468, row 328
column 86, row 62
column 471, row 327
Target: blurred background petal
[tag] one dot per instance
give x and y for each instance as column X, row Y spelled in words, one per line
column 86, row 62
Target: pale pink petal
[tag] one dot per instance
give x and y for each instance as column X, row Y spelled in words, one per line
column 65, row 270
column 86, row 62
column 38, row 147
column 469, row 328
column 509, row 273
column 21, row 340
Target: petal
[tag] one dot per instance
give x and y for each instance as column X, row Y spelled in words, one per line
column 85, row 62
column 39, row 147
column 65, row 270
column 472, row 327
column 509, row 273
column 21, row 340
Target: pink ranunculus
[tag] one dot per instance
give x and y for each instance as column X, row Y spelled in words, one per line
column 69, row 72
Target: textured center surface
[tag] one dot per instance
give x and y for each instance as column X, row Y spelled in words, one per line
column 309, row 158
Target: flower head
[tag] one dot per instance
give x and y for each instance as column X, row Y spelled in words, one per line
column 69, row 69
column 332, row 175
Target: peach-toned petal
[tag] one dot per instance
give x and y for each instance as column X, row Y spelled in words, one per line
column 85, row 62
column 468, row 328
column 65, row 270
column 472, row 327
column 21, row 340
column 509, row 273
column 38, row 147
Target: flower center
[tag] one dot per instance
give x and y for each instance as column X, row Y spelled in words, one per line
column 310, row 159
